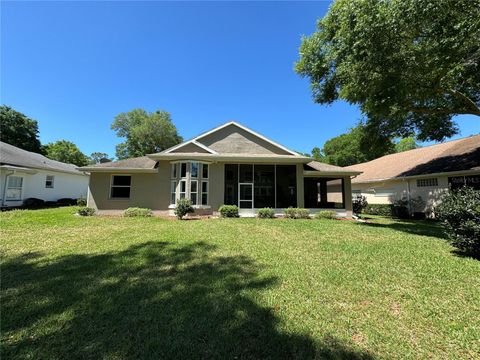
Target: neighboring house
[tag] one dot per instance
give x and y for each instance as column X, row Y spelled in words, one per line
column 425, row 172
column 25, row 174
column 230, row 164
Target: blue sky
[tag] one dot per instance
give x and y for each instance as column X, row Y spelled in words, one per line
column 74, row 66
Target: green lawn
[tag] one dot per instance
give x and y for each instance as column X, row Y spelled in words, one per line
column 124, row 288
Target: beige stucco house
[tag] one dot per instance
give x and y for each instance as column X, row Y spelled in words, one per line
column 230, row 164
column 425, row 172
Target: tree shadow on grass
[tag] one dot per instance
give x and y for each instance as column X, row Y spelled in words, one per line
column 415, row 227
column 155, row 300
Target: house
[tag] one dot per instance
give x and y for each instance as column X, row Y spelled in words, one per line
column 230, row 164
column 25, row 174
column 420, row 175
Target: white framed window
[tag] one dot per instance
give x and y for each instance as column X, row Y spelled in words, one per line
column 205, row 171
column 182, row 190
column 120, row 186
column 194, row 167
column 187, row 182
column 183, row 170
column 427, row 182
column 194, row 192
column 204, row 193
column 14, row 188
column 173, row 192
column 49, row 181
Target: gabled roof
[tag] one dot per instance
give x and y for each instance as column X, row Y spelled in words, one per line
column 452, row 156
column 202, row 141
column 16, row 157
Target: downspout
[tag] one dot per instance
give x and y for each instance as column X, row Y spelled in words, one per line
column 408, row 196
column 5, row 186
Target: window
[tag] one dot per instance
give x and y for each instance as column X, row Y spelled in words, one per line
column 173, row 192
column 49, row 181
column 194, row 169
column 182, row 191
column 204, row 192
column 193, row 191
column 427, row 182
column 183, row 170
column 14, row 188
column 121, row 185
column 187, row 186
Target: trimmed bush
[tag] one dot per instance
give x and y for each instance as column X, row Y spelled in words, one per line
column 137, row 212
column 359, row 203
column 184, row 207
column 33, row 203
column 266, row 213
column 82, row 202
column 400, row 209
column 66, row 202
column 460, row 215
column 378, row 209
column 326, row 214
column 229, row 211
column 86, row 211
column 297, row 213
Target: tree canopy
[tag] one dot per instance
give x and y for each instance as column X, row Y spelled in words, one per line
column 144, row 132
column 100, row 157
column 19, row 130
column 411, row 65
column 408, row 143
column 65, row 151
column 352, row 148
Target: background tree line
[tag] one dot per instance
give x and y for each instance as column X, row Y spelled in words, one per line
column 144, row 133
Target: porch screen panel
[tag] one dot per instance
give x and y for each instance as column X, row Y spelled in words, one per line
column 264, row 186
column 286, row 186
column 231, row 184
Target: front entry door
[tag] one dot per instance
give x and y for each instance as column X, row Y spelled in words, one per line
column 245, row 196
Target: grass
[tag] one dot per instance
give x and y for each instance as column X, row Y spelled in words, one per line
column 150, row 288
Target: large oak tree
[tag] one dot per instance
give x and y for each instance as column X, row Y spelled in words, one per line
column 411, row 65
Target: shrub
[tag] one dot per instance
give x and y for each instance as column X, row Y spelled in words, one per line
column 66, row 202
column 266, row 213
column 400, row 209
column 326, row 214
column 297, row 213
column 228, row 211
column 359, row 203
column 82, row 202
column 378, row 209
column 460, row 215
column 136, row 211
column 184, row 207
column 86, row 211
column 32, row 203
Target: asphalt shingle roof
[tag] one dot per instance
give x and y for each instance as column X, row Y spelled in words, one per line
column 11, row 155
column 456, row 155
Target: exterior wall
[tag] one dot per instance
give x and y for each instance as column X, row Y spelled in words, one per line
column 152, row 190
column 407, row 189
column 65, row 186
